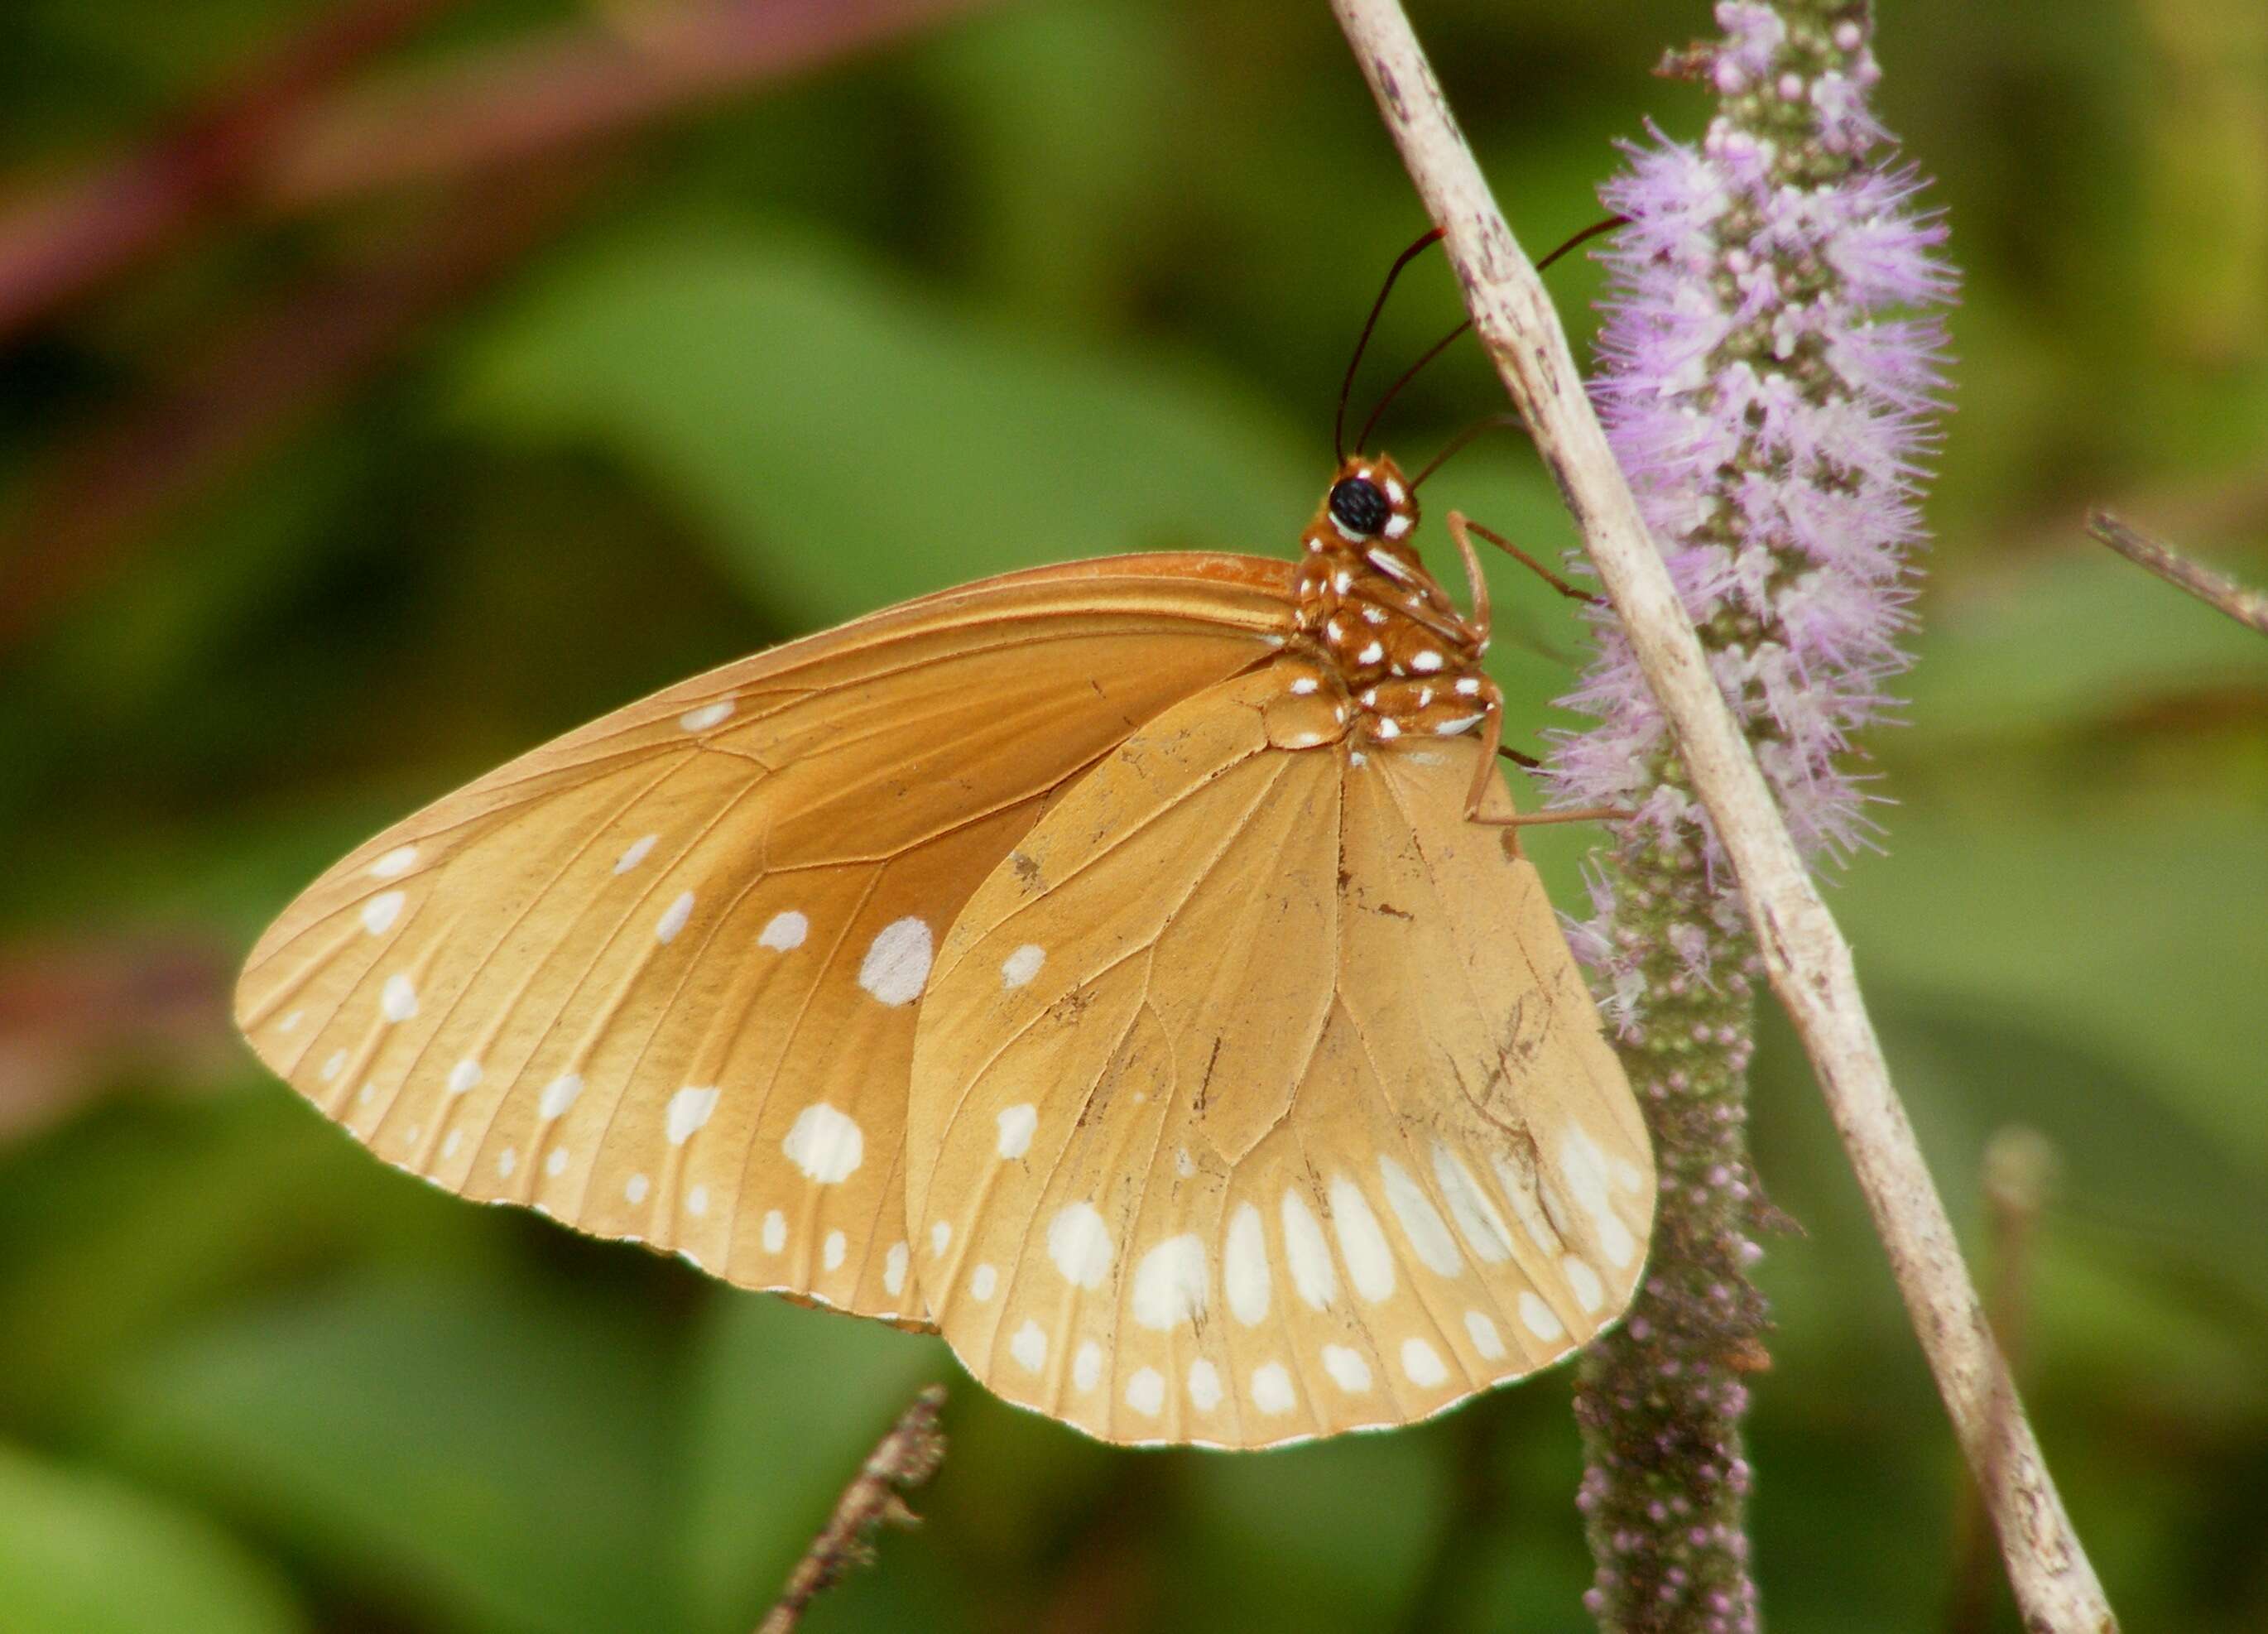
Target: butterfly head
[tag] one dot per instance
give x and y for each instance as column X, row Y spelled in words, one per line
column 1370, row 502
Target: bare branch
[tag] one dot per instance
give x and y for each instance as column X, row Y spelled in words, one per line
column 2246, row 606
column 902, row 1460
column 1805, row 954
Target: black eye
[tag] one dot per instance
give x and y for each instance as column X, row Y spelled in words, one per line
column 1359, row 505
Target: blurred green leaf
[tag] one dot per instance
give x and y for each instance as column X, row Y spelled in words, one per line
column 84, row 1553
column 501, row 1457
column 852, row 442
column 785, row 1403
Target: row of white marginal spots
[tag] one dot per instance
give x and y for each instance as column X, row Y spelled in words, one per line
column 825, row 1142
column 1172, row 1281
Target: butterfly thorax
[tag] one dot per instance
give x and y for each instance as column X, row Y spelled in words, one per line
column 1407, row 658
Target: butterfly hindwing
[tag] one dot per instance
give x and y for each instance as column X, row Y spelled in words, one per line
column 659, row 977
column 1257, row 1096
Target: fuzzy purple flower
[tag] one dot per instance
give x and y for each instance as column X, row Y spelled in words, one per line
column 1768, row 374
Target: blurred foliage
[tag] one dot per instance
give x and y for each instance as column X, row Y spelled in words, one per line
column 1065, row 279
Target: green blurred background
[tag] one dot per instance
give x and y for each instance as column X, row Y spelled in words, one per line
column 380, row 474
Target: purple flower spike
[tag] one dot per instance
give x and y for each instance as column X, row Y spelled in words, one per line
column 1769, row 374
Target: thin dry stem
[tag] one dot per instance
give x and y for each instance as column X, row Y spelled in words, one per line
column 2248, row 607
column 902, row 1460
column 1805, row 956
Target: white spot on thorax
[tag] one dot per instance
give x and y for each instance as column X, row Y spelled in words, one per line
column 1030, row 1347
column 1369, row 1261
column 832, row 1250
column 634, row 853
column 784, row 931
column 1538, row 1318
column 707, row 716
column 380, row 913
column 775, row 1236
column 1312, row 1274
column 394, row 864
column 896, row 966
column 1423, row 1363
column 1204, row 1385
column 1272, row 1391
column 398, row 1001
column 825, row 1144
column 1467, row 686
column 674, row 917
column 1396, row 526
column 1347, row 1369
column 1425, row 661
column 1018, row 967
column 464, row 1076
column 1146, row 1392
column 690, row 1109
column 1304, row 685
column 1244, row 1266
column 1421, row 1221
column 1171, row 1283
column 559, row 1094
column 1451, row 728
column 1370, row 654
column 1086, row 1366
column 1017, row 1126
column 893, row 1269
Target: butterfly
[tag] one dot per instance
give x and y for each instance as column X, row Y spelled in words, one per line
column 1123, row 968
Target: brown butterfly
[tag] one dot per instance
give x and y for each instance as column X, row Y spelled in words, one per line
column 1122, row 968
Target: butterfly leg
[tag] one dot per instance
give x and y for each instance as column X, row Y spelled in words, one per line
column 1492, row 746
column 1460, row 525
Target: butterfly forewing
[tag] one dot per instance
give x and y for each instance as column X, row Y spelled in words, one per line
column 660, row 978
column 1257, row 1096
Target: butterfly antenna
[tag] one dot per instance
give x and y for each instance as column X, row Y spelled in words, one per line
column 1346, row 385
column 1442, row 345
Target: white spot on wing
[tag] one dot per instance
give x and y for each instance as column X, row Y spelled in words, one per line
column 1146, row 1392
column 1086, row 1366
column 1017, row 1124
column 896, row 966
column 634, row 853
column 558, row 1095
column 939, row 1234
column 1272, row 1392
column 689, row 1108
column 696, row 1202
column 380, row 913
column 1204, row 1386
column 635, row 1190
column 555, row 1164
column 1537, row 1318
column 1421, row 1221
column 1347, row 1369
column 1369, row 1261
column 398, row 1001
column 1476, row 1216
column 674, row 917
column 707, row 716
column 1244, row 1266
column 1485, row 1336
column 1078, row 1242
column 893, row 1269
column 982, row 1282
column 831, row 1251
column 1584, row 1282
column 1018, row 967
column 1423, row 1363
column 335, row 1065
column 784, row 931
column 826, row 1144
column 1171, row 1283
column 1030, row 1347
column 452, row 1145
column 464, row 1076
column 1583, row 1167
column 1313, row 1273
column 394, row 864
column 507, row 1160
column 775, row 1236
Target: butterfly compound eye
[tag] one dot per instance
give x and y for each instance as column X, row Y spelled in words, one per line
column 1359, row 507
